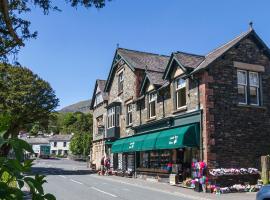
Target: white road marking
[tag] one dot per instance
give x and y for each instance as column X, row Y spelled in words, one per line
column 112, row 195
column 125, row 189
column 62, row 176
column 76, row 181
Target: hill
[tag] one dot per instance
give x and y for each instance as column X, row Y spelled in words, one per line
column 82, row 106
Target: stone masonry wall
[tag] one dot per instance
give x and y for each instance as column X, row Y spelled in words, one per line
column 236, row 136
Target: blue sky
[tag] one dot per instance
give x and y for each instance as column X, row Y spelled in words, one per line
column 76, row 46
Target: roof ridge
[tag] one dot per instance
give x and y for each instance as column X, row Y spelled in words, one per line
column 156, row 54
column 192, row 54
column 232, row 40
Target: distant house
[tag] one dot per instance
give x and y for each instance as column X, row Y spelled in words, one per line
column 60, row 144
column 40, row 145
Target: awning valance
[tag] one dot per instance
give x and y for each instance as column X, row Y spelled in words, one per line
column 185, row 136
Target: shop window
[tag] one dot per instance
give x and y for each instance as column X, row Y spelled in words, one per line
column 248, row 87
column 129, row 114
column 120, row 82
column 152, row 105
column 180, row 93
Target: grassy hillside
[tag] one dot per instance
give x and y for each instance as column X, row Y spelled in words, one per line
column 82, row 106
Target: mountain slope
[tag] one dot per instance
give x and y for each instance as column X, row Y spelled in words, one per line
column 82, row 106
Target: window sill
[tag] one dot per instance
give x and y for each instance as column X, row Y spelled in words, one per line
column 129, row 126
column 182, row 109
column 251, row 106
column 151, row 119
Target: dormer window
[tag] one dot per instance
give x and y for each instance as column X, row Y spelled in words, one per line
column 152, row 104
column 120, row 82
column 98, row 99
column 180, row 93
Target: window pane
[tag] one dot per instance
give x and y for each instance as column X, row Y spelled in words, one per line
column 242, row 77
column 253, row 95
column 241, row 94
column 152, row 109
column 254, row 79
column 180, row 83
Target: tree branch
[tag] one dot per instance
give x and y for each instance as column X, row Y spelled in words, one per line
column 4, row 8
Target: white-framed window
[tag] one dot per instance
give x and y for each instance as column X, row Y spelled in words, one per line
column 111, row 117
column 242, row 86
column 180, row 90
column 120, row 82
column 64, row 144
column 129, row 114
column 248, row 87
column 254, row 88
column 152, row 104
column 98, row 99
column 55, row 144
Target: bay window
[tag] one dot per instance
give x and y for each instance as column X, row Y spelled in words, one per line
column 113, row 117
column 248, row 87
column 180, row 93
column 152, row 104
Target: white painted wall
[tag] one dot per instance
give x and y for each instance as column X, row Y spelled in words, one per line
column 59, row 147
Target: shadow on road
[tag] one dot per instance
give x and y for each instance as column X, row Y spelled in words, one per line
column 58, row 171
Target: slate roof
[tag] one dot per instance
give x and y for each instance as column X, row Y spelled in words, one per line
column 188, row 60
column 60, row 137
column 155, row 78
column 139, row 59
column 36, row 140
column 216, row 53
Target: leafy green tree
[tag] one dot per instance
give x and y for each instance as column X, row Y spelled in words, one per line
column 15, row 29
column 80, row 144
column 12, row 173
column 25, row 98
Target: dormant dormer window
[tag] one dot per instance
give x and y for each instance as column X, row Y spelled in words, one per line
column 120, row 82
column 129, row 114
column 248, row 87
column 180, row 93
column 152, row 104
column 98, row 99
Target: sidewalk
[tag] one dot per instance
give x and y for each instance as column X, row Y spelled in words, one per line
column 178, row 191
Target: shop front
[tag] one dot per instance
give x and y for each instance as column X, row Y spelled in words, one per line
column 160, row 153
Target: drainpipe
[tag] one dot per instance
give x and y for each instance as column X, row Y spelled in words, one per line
column 201, row 114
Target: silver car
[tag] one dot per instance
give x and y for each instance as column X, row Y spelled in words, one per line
column 264, row 193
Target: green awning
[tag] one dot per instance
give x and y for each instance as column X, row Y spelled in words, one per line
column 117, row 146
column 133, row 143
column 186, row 136
column 109, row 142
column 150, row 141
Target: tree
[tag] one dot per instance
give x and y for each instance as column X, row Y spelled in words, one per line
column 15, row 30
column 25, row 98
column 80, row 144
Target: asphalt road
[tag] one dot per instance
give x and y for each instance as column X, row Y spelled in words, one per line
column 70, row 180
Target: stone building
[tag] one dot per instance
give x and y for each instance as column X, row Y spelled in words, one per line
column 171, row 110
column 98, row 106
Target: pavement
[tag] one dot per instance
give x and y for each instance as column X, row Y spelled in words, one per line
column 71, row 180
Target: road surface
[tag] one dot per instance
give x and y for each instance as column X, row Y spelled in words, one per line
column 70, row 180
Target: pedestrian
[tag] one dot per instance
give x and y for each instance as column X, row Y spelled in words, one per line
column 107, row 165
column 102, row 165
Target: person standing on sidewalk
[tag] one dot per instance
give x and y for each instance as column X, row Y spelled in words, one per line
column 102, row 165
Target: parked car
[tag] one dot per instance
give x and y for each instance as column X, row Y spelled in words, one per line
column 264, row 193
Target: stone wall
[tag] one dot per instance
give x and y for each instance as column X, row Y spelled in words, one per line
column 97, row 112
column 235, row 135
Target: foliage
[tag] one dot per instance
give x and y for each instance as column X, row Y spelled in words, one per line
column 24, row 98
column 15, row 30
column 80, row 144
column 12, row 178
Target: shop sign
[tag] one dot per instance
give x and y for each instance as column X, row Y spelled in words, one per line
column 173, row 140
column 131, row 145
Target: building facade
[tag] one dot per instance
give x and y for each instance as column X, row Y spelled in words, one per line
column 165, row 112
column 98, row 106
column 60, row 144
